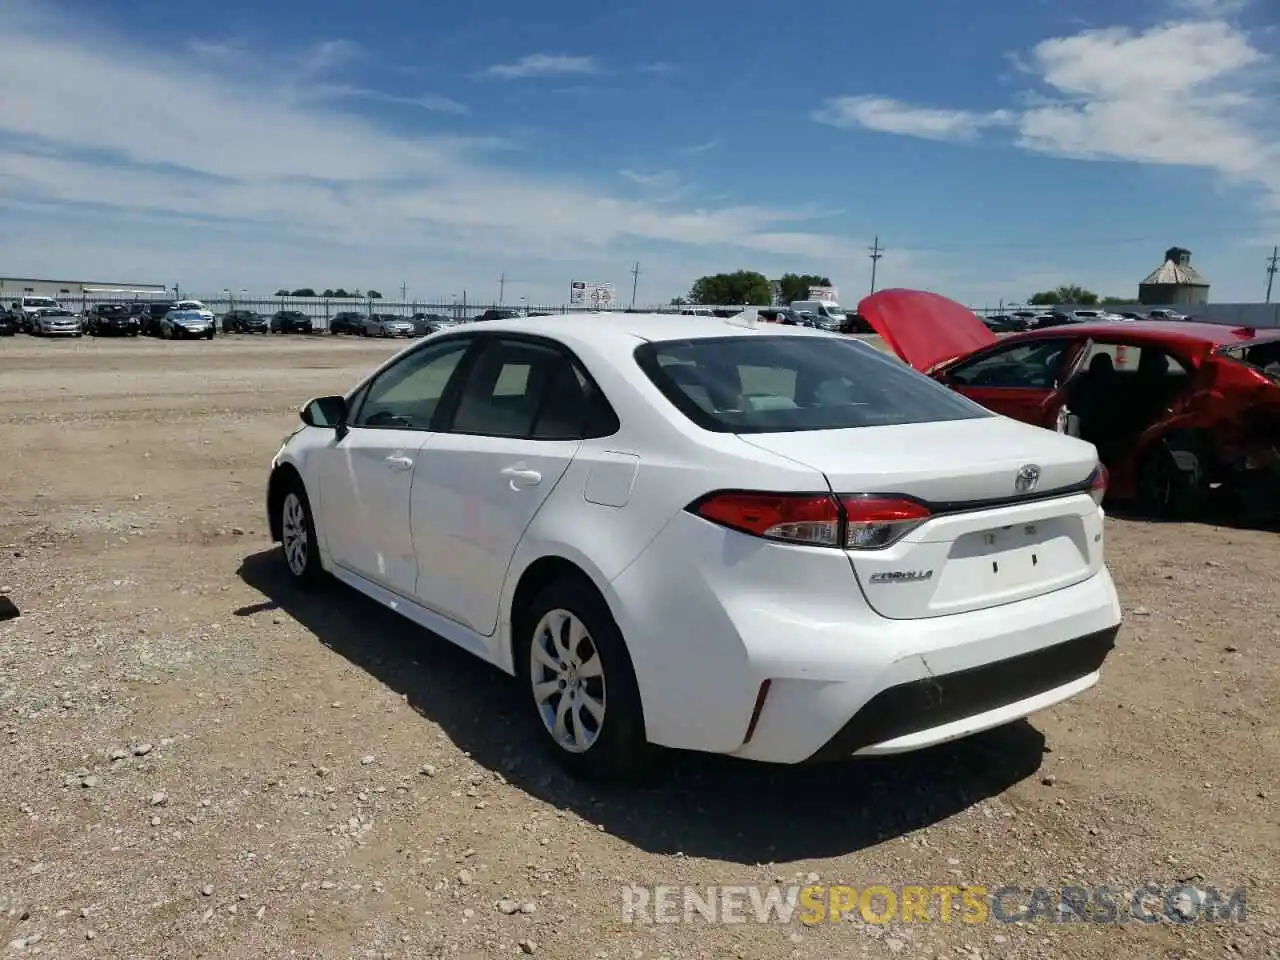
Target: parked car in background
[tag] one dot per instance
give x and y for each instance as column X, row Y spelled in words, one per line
column 8, row 323
column 499, row 313
column 291, row 321
column 473, row 485
column 110, row 320
column 388, row 325
column 244, row 321
column 1174, row 410
column 26, row 308
column 347, row 322
column 1161, row 313
column 56, row 322
column 427, row 323
column 152, row 314
column 1005, row 324
column 187, row 325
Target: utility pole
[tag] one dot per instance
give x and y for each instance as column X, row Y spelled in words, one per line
column 1271, row 269
column 635, row 281
column 877, row 252
column 502, row 288
column 404, row 292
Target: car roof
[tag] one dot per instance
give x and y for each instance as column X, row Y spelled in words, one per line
column 629, row 330
column 1155, row 331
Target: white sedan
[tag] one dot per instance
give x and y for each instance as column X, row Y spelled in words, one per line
column 763, row 541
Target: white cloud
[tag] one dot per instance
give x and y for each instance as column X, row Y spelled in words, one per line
column 894, row 116
column 1211, row 9
column 697, row 148
column 206, row 164
column 1189, row 92
column 661, row 66
column 427, row 101
column 657, row 179
column 543, row 65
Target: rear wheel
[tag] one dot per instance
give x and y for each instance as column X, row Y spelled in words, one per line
column 1173, row 478
column 578, row 676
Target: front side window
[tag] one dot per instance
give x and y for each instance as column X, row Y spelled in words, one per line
column 1027, row 365
column 405, row 395
column 768, row 384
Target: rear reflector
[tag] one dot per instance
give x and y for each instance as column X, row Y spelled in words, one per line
column 875, row 522
column 1098, row 484
column 854, row 521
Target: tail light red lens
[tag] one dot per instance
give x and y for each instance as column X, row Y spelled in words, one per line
column 875, row 522
column 852, row 522
column 1098, row 484
column 804, row 518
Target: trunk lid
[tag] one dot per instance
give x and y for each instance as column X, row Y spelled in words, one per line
column 922, row 328
column 987, row 543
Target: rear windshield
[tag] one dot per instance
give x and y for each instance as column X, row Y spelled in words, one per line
column 1263, row 355
column 772, row 384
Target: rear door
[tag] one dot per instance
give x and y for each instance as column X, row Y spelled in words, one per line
column 480, row 482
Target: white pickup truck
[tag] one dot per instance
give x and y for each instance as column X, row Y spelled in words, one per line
column 27, row 308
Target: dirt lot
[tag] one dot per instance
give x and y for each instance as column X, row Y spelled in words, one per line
column 197, row 762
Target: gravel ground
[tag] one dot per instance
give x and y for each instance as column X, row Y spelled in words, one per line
column 198, row 762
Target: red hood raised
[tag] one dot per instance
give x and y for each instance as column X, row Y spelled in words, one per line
column 924, row 328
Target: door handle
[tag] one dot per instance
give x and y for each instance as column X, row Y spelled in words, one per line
column 399, row 463
column 522, row 475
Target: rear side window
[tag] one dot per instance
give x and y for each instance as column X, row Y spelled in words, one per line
column 771, row 384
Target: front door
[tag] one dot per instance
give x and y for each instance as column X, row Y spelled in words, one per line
column 1018, row 379
column 366, row 473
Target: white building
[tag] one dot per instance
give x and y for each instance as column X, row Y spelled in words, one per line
column 75, row 290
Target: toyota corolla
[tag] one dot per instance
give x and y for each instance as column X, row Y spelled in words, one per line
column 774, row 543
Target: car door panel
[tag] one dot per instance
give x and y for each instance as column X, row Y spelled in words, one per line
column 473, row 499
column 367, row 470
column 480, row 483
column 366, row 480
column 1002, row 381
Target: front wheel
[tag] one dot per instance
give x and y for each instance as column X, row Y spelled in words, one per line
column 581, row 684
column 1173, row 480
column 298, row 537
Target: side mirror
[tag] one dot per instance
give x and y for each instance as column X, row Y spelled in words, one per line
column 325, row 412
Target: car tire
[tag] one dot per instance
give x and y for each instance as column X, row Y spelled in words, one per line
column 613, row 746
column 298, row 543
column 209, row 335
column 1173, row 478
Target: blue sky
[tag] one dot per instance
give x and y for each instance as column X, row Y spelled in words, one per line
column 995, row 148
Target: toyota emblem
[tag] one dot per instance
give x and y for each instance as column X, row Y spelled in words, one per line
column 1027, row 478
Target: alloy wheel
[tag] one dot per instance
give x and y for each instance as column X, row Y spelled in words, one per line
column 567, row 680
column 293, row 534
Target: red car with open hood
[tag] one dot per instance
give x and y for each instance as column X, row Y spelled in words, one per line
column 1174, row 409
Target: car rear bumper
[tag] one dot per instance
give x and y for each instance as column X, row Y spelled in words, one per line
column 707, row 626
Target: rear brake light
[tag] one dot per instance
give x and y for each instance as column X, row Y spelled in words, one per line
column 1098, row 484
column 875, row 522
column 852, row 522
column 796, row 518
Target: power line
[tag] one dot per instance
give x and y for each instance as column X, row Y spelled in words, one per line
column 877, row 252
column 1271, row 269
column 635, row 282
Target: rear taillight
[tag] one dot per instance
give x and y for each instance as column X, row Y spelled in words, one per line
column 877, row 521
column 852, row 522
column 1098, row 484
column 808, row 518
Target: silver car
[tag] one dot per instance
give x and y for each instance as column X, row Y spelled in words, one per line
column 57, row 322
column 389, row 325
column 186, row 324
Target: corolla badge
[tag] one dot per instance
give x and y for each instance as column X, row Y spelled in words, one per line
column 1027, row 478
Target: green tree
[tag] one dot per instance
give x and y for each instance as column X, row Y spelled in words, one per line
column 1070, row 293
column 374, row 295
column 740, row 287
column 303, row 292
column 282, row 293
column 677, row 301
column 1115, row 301
column 795, row 286
column 327, row 294
column 340, row 294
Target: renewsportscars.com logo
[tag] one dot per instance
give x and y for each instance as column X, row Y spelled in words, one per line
column 917, row 903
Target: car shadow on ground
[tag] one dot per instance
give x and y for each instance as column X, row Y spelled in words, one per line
column 699, row 805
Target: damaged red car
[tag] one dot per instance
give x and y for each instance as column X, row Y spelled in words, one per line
column 1177, row 411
